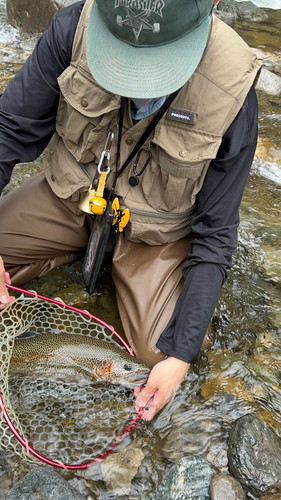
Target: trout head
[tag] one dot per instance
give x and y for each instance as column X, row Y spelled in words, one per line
column 130, row 373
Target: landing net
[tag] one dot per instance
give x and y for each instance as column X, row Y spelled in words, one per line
column 66, row 422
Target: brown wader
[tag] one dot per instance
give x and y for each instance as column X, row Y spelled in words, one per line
column 39, row 233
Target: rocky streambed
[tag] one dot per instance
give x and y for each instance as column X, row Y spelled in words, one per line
column 220, row 438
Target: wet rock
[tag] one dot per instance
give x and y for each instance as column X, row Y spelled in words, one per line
column 271, row 266
column 230, row 11
column 269, row 83
column 43, row 484
column 277, row 67
column 188, row 480
column 272, row 494
column 197, row 430
column 117, row 470
column 33, row 17
column 254, row 455
column 225, row 487
column 120, row 468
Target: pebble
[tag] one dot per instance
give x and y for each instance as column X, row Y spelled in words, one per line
column 225, row 487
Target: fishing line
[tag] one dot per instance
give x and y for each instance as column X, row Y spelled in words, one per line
column 119, row 436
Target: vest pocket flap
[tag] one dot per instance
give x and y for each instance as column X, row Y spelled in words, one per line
column 181, row 171
column 61, row 170
column 186, row 146
column 93, row 103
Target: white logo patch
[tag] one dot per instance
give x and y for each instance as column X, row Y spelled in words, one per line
column 139, row 21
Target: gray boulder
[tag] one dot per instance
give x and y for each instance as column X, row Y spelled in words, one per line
column 269, row 83
column 230, row 11
column 33, row 17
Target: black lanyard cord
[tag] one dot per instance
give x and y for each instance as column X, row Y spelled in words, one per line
column 145, row 135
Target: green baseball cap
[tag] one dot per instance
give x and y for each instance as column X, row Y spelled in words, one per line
column 146, row 48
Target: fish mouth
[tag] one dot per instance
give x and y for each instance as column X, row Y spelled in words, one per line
column 134, row 379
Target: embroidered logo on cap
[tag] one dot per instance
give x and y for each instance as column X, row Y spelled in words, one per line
column 139, row 21
column 181, row 116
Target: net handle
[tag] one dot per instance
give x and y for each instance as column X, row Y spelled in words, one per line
column 75, row 309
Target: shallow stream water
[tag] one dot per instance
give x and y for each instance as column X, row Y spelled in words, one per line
column 241, row 372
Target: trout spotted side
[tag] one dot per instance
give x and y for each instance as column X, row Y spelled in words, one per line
column 65, row 355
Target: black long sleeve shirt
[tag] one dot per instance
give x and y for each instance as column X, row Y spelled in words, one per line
column 28, row 110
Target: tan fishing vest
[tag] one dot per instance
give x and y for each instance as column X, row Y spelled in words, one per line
column 183, row 143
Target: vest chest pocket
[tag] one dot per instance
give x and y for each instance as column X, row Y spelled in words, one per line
column 84, row 113
column 170, row 186
column 84, row 137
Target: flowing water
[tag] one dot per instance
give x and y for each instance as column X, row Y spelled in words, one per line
column 241, row 373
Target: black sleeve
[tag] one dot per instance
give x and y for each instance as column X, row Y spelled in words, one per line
column 28, row 106
column 214, row 228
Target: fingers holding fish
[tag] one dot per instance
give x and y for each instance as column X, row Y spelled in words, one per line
column 163, row 382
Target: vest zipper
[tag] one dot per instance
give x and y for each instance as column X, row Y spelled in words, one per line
column 85, row 171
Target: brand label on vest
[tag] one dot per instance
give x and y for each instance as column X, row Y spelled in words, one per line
column 181, row 116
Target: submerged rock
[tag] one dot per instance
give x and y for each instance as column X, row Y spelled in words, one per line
column 272, row 264
column 272, row 494
column 254, row 455
column 197, row 430
column 120, row 468
column 225, row 487
column 43, row 484
column 188, row 480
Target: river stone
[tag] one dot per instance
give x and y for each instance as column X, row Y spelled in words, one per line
column 230, row 11
column 31, row 16
column 271, row 266
column 43, row 484
column 188, row 480
column 225, row 487
column 272, row 494
column 197, row 430
column 254, row 455
column 120, row 468
column 269, row 83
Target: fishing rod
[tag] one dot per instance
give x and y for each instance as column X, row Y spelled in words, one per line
column 119, row 435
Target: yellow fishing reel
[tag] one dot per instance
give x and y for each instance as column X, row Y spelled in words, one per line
column 121, row 215
column 97, row 205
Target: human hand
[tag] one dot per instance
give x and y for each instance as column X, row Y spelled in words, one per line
column 162, row 384
column 5, row 298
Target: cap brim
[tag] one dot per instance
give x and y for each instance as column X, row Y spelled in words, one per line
column 142, row 72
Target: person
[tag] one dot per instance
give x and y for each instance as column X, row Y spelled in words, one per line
column 183, row 188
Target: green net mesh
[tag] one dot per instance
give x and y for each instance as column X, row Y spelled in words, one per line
column 66, row 422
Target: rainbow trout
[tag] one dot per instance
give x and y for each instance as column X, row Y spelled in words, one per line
column 66, row 356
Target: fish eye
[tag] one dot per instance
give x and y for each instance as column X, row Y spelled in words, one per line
column 127, row 367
